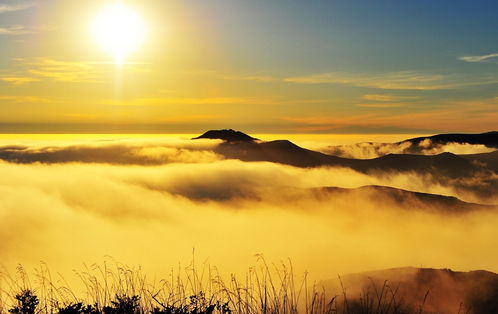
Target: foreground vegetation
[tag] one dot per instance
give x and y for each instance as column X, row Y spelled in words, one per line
column 190, row 290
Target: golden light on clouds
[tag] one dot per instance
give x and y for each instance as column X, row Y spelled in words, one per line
column 337, row 138
column 118, row 30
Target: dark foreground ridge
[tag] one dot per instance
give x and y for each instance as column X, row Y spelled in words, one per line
column 392, row 291
column 227, row 135
column 424, row 290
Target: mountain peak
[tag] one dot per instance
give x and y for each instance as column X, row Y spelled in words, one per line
column 227, row 135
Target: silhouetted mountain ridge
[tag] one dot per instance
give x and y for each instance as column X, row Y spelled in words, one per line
column 227, row 135
column 241, row 146
column 410, row 200
column 427, row 145
column 489, row 139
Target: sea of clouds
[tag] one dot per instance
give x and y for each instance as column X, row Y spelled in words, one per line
column 151, row 202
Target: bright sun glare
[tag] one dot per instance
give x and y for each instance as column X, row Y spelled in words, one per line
column 118, row 30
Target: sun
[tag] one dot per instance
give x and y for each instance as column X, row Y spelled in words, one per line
column 118, row 30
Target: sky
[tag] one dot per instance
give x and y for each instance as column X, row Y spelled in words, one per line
column 281, row 66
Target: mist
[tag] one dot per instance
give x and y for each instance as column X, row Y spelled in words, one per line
column 369, row 150
column 154, row 213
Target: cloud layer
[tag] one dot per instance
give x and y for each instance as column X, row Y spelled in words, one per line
column 153, row 213
column 12, row 6
column 483, row 58
column 15, row 30
column 402, row 80
column 370, row 150
column 127, row 152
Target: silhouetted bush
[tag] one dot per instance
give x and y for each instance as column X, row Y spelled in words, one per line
column 123, row 305
column 78, row 308
column 26, row 303
column 198, row 304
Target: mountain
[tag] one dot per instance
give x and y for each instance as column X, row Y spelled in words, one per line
column 489, row 160
column 440, row 168
column 238, row 145
column 417, row 290
column 385, row 197
column 286, row 152
column 227, row 135
column 403, row 199
column 429, row 145
column 279, row 151
column 489, row 139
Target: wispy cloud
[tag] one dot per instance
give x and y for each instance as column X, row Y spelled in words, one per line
column 63, row 70
column 15, row 30
column 257, row 78
column 23, row 99
column 399, row 80
column 483, row 58
column 382, row 105
column 392, row 80
column 387, row 97
column 163, row 101
column 18, row 80
column 472, row 116
column 11, row 7
column 40, row 69
column 386, row 101
column 190, row 118
column 404, row 80
column 43, row 68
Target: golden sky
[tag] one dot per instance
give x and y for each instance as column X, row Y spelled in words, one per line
column 274, row 67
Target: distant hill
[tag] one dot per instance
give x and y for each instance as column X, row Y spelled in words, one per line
column 228, row 135
column 279, row 151
column 489, row 139
column 432, row 290
column 241, row 146
column 429, row 145
column 387, row 197
column 399, row 198
column 286, row 152
column 490, row 160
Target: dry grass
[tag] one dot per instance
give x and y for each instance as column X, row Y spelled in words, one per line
column 112, row 287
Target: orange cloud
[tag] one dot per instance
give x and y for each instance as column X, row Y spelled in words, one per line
column 42, row 68
column 21, row 99
column 387, row 97
column 382, row 105
column 403, row 80
column 243, row 100
column 471, row 116
column 20, row 80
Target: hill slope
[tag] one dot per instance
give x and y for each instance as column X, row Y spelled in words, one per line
column 433, row 290
column 489, row 139
column 228, row 135
column 403, row 199
column 286, row 152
